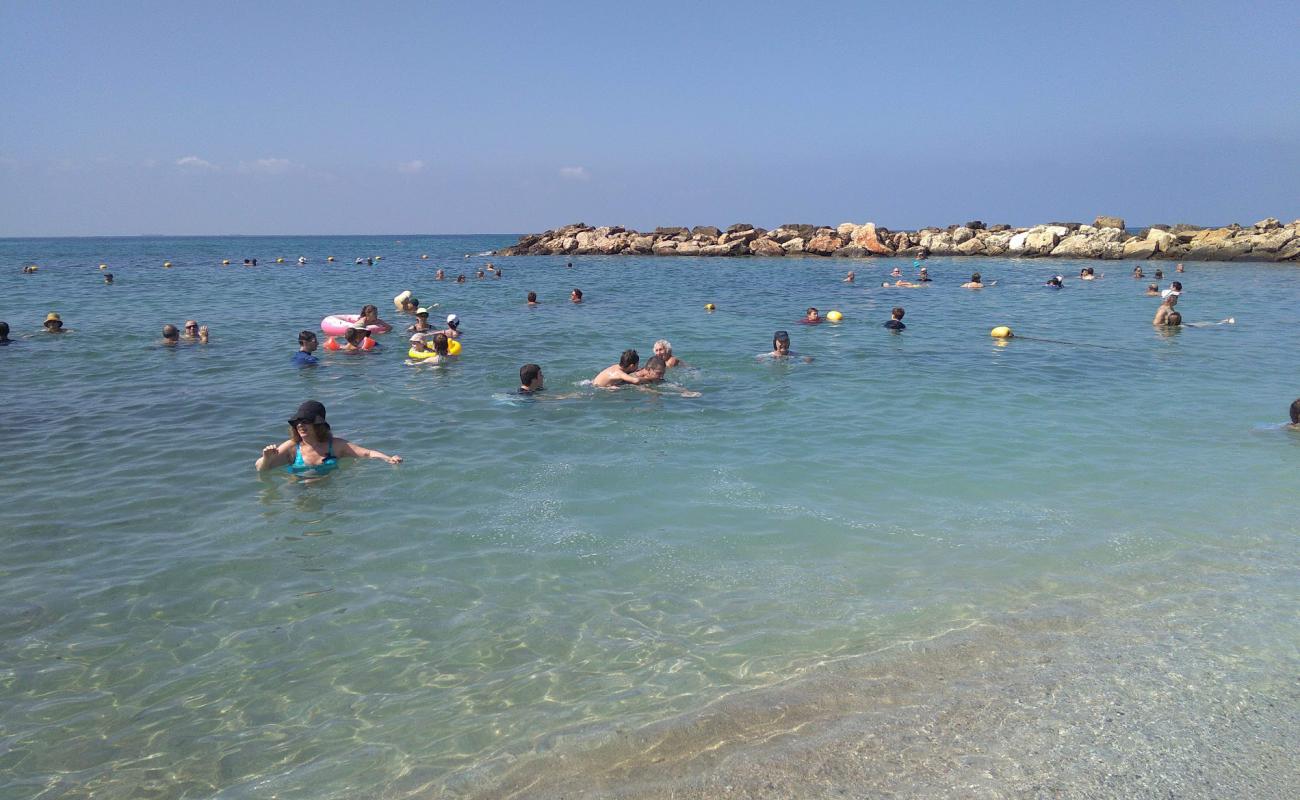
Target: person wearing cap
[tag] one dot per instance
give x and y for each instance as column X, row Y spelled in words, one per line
column 53, row 323
column 171, row 335
column 421, row 325
column 452, row 331
column 312, row 449
column 924, row 277
column 620, row 373
column 307, row 344
column 1175, row 288
column 191, row 330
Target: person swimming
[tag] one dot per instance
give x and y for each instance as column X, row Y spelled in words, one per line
column 974, row 282
column 171, row 335
column 4, row 334
column 620, row 373
column 530, row 379
column 1166, row 308
column 307, row 344
column 53, row 323
column 895, row 321
column 781, row 348
column 421, row 324
column 532, row 298
column 311, row 449
column 811, row 317
column 575, row 296
column 1153, row 290
column 452, row 331
column 357, row 339
column 440, row 275
column 850, row 277
column 1175, row 288
column 1295, row 408
column 1137, row 273
column 664, row 349
column 191, row 330
column 369, row 317
column 1054, row 282
column 108, row 277
column 924, row 276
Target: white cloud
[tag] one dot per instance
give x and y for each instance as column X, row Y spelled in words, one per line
column 411, row 167
column 575, row 173
column 268, row 166
column 195, row 163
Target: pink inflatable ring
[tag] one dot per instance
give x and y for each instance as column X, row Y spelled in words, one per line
column 338, row 324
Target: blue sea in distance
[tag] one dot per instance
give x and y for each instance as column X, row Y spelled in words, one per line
column 922, row 564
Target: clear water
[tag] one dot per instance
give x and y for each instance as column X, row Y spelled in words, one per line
column 542, row 581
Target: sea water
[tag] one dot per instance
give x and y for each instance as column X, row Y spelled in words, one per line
column 958, row 548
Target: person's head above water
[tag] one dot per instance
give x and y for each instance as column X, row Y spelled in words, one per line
column 897, row 312
column 191, row 329
column 781, row 342
column 356, row 334
column 53, row 322
column 108, row 277
column 576, row 295
column 307, row 341
column 1177, row 286
column 532, row 298
column 629, row 360
column 530, row 377
column 369, row 312
column 1295, row 408
column 1153, row 288
column 440, row 344
column 975, row 277
column 417, row 343
column 1174, row 318
column 170, row 332
column 308, row 422
column 663, row 348
column 655, row 368
column 4, row 331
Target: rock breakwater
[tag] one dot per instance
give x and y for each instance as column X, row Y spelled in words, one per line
column 1105, row 238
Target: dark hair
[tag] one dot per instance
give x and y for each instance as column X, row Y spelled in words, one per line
column 355, row 335
column 4, row 329
column 366, row 309
column 528, row 373
column 170, row 331
column 412, row 301
column 532, row 297
column 656, row 364
column 1295, row 410
column 898, row 312
column 811, row 310
column 577, row 293
column 975, row 277
column 780, row 336
column 306, row 336
column 440, row 344
column 1174, row 318
column 1160, row 273
column 322, row 430
column 108, row 277
column 629, row 360
column 1177, row 285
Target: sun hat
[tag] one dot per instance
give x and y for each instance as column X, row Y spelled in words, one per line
column 419, row 337
column 52, row 317
column 421, row 310
column 453, row 320
column 311, row 411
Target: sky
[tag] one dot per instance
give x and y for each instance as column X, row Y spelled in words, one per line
column 128, row 118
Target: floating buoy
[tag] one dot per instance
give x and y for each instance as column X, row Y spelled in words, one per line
column 331, row 258
column 279, row 261
column 379, row 258
column 710, row 307
column 834, row 316
column 1002, row 332
column 167, row 265
column 225, row 262
column 103, row 266
column 425, row 256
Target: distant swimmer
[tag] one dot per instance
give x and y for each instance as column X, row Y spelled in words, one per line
column 664, row 349
column 924, row 276
column 1090, row 274
column 781, row 348
column 53, row 323
column 1295, row 408
column 1137, row 273
column 460, row 278
column 480, row 275
column 530, row 379
column 811, row 317
column 108, row 277
column 850, row 277
column 895, row 321
column 1160, row 274
column 440, row 275
column 974, row 282
column 421, row 324
column 312, row 450
column 620, row 373
column 1166, row 308
column 452, row 331
column 441, row 346
column 30, row 269
column 406, row 303
column 1179, row 268
column 369, row 317
column 1175, row 288
column 302, row 260
column 307, row 344
column 171, row 335
column 898, row 273
column 498, row 275
column 4, row 334
column 1174, row 319
column 1153, row 290
column 1054, row 282
column 357, row 339
column 575, row 296
column 532, row 298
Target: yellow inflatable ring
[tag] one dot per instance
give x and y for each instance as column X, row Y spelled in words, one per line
column 453, row 349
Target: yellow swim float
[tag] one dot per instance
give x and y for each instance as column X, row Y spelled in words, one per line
column 1002, row 332
column 167, row 265
column 710, row 307
column 279, row 261
column 834, row 316
column 103, row 266
column 225, row 262
column 453, row 349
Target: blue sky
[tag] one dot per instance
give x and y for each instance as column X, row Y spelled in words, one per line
column 265, row 118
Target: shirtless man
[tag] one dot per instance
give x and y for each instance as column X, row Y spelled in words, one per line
column 1166, row 308
column 974, row 282
column 620, row 373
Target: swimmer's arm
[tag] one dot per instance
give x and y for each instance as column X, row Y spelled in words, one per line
column 346, row 449
column 274, row 456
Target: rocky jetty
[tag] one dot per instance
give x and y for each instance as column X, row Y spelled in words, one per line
column 1105, row 238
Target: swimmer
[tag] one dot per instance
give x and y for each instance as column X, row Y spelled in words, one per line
column 1295, row 408
column 664, row 349
column 490, row 267
column 359, row 261
column 370, row 316
column 620, row 373
column 441, row 346
column 569, row 265
column 358, row 339
column 1175, row 288
column 575, row 296
column 1054, row 281
column 480, row 275
column 850, row 277
column 302, row 260
column 418, row 346
column 312, row 449
column 460, row 278
column 1153, row 290
column 171, row 335
column 4, row 334
column 974, row 282
column 1166, row 308
column 1137, row 273
column 895, row 321
column 421, row 325
column 191, row 330
column 1160, row 274
column 924, row 277
column 1090, row 274
column 532, row 298
column 1174, row 319
column 108, row 277
column 53, row 323
column 898, row 273
column 811, row 317
column 440, row 275
column 530, row 379
column 408, row 304
column 370, row 262
column 452, row 331
column 781, row 348
column 1179, row 268
column 307, row 344
column 498, row 275
column 29, row 269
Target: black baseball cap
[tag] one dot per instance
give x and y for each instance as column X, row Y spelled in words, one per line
column 311, row 411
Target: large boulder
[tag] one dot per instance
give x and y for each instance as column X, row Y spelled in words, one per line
column 1041, row 241
column 1288, row 252
column 1139, row 248
column 868, row 237
column 962, row 234
column 823, row 244
column 1164, row 241
column 971, row 246
column 975, row 225
column 688, row 249
column 1109, row 222
column 845, row 230
column 672, row 231
column 666, row 247
column 794, row 245
column 642, row 243
column 1016, row 244
column 995, row 244
column 852, row 251
column 1269, row 224
column 740, row 226
column 1219, row 248
column 610, row 245
column 706, row 230
column 1080, row 245
column 1272, row 242
column 765, row 247
column 745, row 235
column 800, row 229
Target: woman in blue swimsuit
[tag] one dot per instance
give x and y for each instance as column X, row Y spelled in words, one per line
column 311, row 449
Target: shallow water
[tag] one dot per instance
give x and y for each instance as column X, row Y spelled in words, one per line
column 544, row 580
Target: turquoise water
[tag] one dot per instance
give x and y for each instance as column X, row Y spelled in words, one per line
column 539, row 578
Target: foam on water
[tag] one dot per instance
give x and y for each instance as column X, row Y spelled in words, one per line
column 548, row 587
